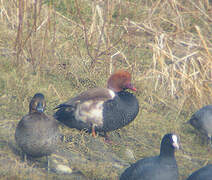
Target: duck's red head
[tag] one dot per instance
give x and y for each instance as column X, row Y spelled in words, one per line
column 120, row 81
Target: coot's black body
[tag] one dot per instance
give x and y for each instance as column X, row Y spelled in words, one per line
column 202, row 121
column 204, row 173
column 162, row 167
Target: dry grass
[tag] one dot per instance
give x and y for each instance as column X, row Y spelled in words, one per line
column 63, row 47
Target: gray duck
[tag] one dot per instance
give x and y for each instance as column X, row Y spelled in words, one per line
column 37, row 134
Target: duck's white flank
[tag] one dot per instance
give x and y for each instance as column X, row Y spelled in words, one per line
column 112, row 93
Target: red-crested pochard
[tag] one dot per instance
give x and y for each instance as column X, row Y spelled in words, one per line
column 101, row 109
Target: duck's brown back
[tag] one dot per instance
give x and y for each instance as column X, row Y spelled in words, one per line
column 37, row 134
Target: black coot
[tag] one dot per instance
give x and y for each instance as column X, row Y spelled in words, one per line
column 202, row 121
column 161, row 167
column 204, row 173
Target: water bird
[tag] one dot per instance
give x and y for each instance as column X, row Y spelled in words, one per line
column 37, row 134
column 204, row 173
column 202, row 121
column 101, row 109
column 161, row 167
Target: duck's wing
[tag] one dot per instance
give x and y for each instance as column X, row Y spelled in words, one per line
column 95, row 94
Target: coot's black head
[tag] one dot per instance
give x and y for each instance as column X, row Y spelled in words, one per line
column 169, row 143
column 37, row 104
column 120, row 81
column 194, row 121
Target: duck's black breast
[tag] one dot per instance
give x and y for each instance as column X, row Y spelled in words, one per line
column 119, row 112
column 37, row 134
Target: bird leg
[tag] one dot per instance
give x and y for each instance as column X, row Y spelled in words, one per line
column 47, row 158
column 107, row 138
column 23, row 157
column 210, row 140
column 93, row 131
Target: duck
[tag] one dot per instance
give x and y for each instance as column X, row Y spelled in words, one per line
column 202, row 121
column 161, row 167
column 37, row 134
column 204, row 173
column 101, row 109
